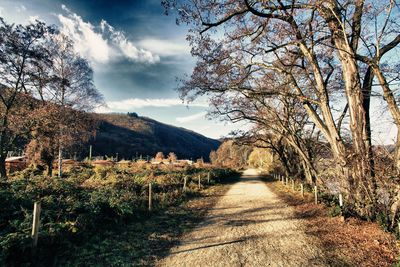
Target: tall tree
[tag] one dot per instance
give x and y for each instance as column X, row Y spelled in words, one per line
column 21, row 47
column 312, row 46
column 67, row 91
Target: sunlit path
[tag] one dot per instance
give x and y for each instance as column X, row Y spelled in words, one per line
column 249, row 226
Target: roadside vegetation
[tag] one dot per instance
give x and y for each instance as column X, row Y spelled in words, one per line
column 89, row 203
column 346, row 242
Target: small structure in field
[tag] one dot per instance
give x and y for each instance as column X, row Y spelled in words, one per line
column 125, row 163
column 66, row 163
column 16, row 164
column 70, row 162
column 183, row 162
column 141, row 161
column 102, row 163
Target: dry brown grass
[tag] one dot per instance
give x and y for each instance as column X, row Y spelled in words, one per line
column 350, row 243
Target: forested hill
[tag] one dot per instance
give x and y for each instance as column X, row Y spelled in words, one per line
column 131, row 136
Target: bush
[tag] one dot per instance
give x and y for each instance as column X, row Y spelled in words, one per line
column 83, row 202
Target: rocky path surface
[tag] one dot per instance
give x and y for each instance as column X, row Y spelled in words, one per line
column 249, row 226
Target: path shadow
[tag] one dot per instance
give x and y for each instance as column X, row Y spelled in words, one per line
column 209, row 246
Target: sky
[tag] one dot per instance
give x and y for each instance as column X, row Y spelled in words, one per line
column 137, row 54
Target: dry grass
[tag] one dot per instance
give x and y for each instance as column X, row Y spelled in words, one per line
column 352, row 242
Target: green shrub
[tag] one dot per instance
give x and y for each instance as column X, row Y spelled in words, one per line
column 81, row 203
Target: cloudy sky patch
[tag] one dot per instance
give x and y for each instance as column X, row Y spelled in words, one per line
column 101, row 43
column 137, row 54
column 194, row 117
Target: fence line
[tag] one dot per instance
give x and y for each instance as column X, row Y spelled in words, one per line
column 316, row 190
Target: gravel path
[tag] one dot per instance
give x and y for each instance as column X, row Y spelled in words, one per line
column 249, row 226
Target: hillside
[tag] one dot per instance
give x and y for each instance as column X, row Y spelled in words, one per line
column 131, row 135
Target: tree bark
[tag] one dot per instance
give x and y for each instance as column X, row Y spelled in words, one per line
column 394, row 110
column 309, row 173
column 49, row 164
column 397, row 153
column 367, row 87
column 284, row 161
column 3, row 170
column 361, row 143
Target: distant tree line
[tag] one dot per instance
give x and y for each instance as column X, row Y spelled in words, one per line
column 231, row 154
column 304, row 73
column 46, row 90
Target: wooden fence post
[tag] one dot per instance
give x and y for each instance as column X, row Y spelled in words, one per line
column 199, row 181
column 293, row 185
column 184, row 183
column 36, row 223
column 283, row 179
column 150, row 197
column 342, row 219
column 60, row 162
column 208, row 178
column 302, row 189
column 316, row 194
column 287, row 180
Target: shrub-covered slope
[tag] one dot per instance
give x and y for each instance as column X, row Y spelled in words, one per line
column 131, row 136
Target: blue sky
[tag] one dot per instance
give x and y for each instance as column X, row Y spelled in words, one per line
column 136, row 52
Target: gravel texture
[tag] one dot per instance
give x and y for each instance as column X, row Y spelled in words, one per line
column 249, row 226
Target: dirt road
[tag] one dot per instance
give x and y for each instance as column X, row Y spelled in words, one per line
column 249, row 226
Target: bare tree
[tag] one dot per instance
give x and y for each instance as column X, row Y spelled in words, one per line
column 310, row 46
column 67, row 91
column 21, row 47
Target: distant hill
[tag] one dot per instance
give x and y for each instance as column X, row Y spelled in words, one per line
column 130, row 135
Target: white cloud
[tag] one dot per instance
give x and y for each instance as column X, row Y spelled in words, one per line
column 193, row 117
column 129, row 104
column 137, row 103
column 87, row 42
column 33, row 19
column 126, row 47
column 20, row 8
column 101, row 43
column 166, row 47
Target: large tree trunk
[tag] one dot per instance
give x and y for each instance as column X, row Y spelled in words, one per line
column 394, row 111
column 361, row 147
column 284, row 161
column 367, row 87
column 360, row 158
column 3, row 170
column 3, row 145
column 309, row 173
column 397, row 152
column 49, row 165
column 305, row 159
